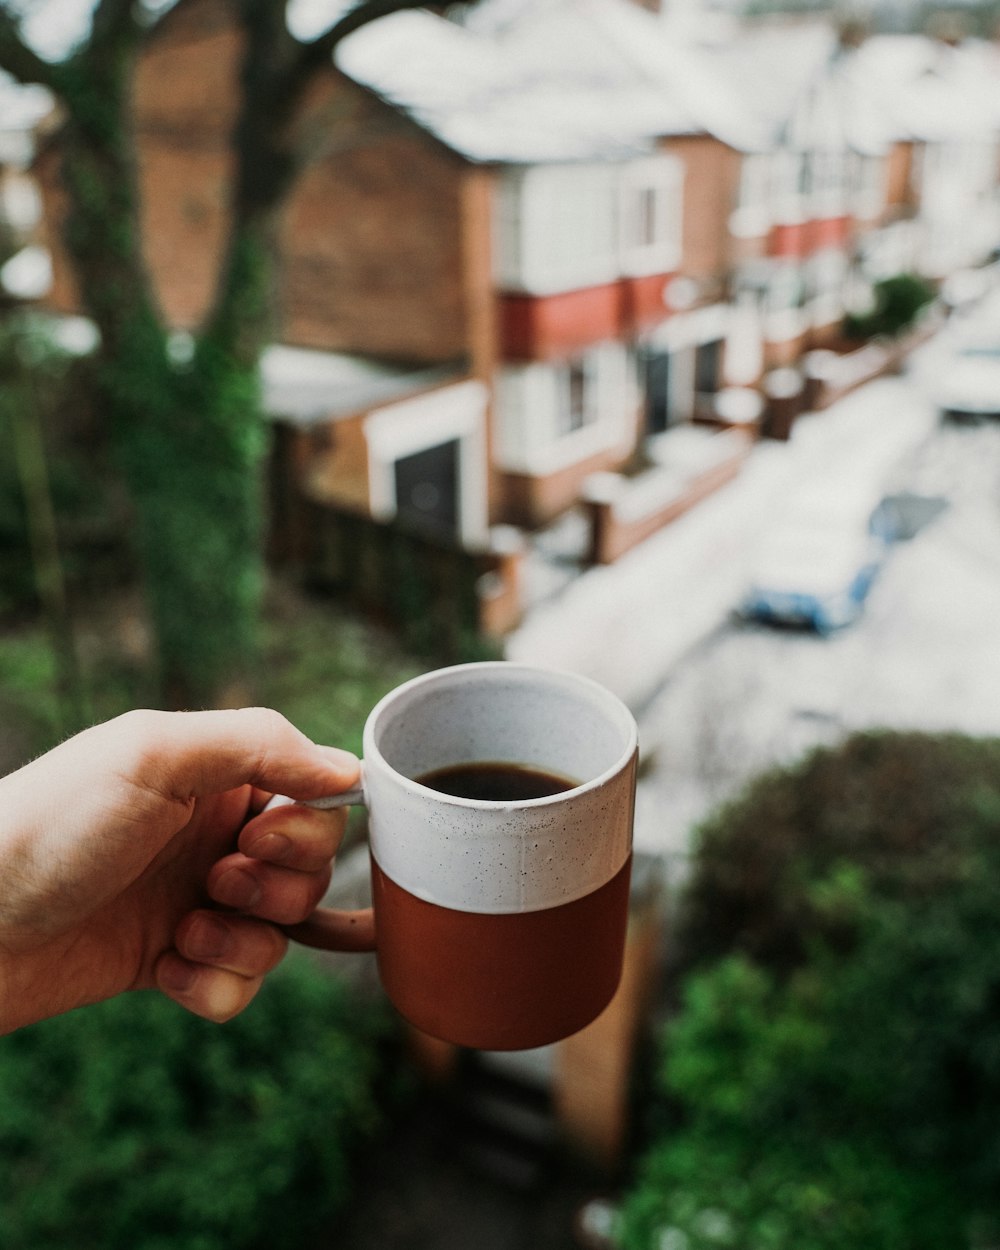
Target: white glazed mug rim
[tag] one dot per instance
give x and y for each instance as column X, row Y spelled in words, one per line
column 616, row 710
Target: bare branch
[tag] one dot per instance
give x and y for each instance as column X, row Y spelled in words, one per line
column 20, row 60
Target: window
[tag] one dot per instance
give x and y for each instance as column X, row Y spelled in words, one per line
column 870, row 186
column 556, row 228
column 646, row 217
column 828, row 181
column 650, row 205
column 759, row 181
column 655, row 366
column 577, row 406
column 707, row 367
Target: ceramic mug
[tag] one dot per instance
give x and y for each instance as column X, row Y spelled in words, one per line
column 498, row 924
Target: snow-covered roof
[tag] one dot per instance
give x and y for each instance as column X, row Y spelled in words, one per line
column 553, row 80
column 305, row 386
column 926, row 89
column 521, row 81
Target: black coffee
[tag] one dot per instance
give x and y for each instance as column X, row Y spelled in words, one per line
column 496, row 782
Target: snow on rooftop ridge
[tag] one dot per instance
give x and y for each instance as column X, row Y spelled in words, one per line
column 551, row 80
column 681, row 70
column 538, row 94
column 772, row 70
column 305, row 385
column 928, row 90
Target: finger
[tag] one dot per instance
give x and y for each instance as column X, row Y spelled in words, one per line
column 185, row 754
column 295, row 837
column 237, row 944
column 267, row 891
column 214, row 993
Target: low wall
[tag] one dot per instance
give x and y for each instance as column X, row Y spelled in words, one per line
column 623, row 511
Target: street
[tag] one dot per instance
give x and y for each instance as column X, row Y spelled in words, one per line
column 718, row 700
column 924, row 655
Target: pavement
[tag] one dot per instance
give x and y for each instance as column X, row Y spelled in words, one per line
column 629, row 624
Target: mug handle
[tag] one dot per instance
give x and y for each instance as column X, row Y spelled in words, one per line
column 328, row 929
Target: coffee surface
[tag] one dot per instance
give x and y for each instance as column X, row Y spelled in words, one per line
column 496, row 782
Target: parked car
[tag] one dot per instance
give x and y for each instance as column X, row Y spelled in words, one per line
column 814, row 576
column 968, row 381
column 815, row 567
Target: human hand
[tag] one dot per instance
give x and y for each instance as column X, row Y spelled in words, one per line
column 136, row 855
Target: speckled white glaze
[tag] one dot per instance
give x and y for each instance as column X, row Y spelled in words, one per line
column 500, row 857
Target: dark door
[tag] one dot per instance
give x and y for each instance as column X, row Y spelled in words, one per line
column 707, row 359
column 427, row 490
column 656, row 380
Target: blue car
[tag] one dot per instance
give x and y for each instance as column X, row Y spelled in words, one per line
column 814, row 575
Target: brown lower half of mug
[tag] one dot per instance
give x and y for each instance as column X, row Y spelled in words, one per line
column 501, row 982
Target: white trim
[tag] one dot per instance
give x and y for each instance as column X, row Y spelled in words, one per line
column 691, row 329
column 450, row 413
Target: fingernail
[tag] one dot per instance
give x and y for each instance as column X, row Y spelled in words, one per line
column 272, row 846
column 346, row 763
column 175, row 975
column 208, row 938
column 237, row 888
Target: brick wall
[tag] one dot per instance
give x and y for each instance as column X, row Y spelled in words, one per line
column 899, row 190
column 531, row 501
column 711, row 180
column 372, row 237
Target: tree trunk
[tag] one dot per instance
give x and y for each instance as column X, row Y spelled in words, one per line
column 187, row 432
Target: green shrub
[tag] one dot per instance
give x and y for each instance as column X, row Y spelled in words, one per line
column 832, row 1076
column 903, row 807
column 897, row 303
column 134, row 1124
column 705, row 1191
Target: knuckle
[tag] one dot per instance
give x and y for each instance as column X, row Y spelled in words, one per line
column 266, row 723
column 272, row 733
column 137, row 738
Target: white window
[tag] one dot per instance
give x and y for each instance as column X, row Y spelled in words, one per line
column 564, row 227
column 550, row 416
column 828, row 182
column 869, row 187
column 577, row 400
column 788, row 186
column 651, row 207
column 785, row 299
column 828, row 278
column 752, row 216
column 557, row 228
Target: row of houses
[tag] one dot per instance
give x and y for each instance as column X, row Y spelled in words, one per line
column 562, row 257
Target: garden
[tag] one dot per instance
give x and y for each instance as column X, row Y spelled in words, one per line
column 830, row 1073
